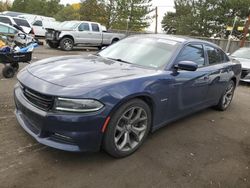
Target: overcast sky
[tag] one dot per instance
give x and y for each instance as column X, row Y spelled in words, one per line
column 163, row 6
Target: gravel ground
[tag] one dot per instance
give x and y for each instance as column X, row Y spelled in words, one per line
column 207, row 149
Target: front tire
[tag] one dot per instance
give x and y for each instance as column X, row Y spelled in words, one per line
column 227, row 97
column 52, row 45
column 127, row 129
column 66, row 44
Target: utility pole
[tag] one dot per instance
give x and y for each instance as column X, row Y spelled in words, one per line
column 156, row 20
column 246, row 28
column 229, row 37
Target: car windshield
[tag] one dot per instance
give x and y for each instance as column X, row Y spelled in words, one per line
column 21, row 22
column 69, row 25
column 144, row 51
column 242, row 53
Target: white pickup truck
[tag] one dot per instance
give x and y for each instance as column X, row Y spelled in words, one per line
column 80, row 33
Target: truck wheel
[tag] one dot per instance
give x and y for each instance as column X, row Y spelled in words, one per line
column 15, row 66
column 8, row 71
column 52, row 45
column 66, row 44
column 114, row 41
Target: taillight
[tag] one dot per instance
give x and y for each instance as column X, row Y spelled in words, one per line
column 32, row 31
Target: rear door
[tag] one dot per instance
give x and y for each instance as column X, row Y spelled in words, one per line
column 96, row 34
column 220, row 69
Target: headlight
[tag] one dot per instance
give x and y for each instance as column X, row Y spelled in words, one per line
column 77, row 105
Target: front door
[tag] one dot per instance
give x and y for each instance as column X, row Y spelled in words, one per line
column 189, row 88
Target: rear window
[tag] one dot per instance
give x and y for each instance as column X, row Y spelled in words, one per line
column 38, row 23
column 5, row 20
column 21, row 22
column 95, row 27
column 215, row 55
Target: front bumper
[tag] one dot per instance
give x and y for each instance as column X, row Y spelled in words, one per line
column 65, row 131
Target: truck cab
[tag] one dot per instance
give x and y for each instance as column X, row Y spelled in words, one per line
column 80, row 33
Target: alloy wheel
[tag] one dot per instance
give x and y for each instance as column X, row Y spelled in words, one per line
column 130, row 129
column 228, row 96
column 68, row 44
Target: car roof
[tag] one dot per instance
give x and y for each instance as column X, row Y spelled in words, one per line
column 11, row 17
column 177, row 38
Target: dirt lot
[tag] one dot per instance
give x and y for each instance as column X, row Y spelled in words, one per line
column 208, row 149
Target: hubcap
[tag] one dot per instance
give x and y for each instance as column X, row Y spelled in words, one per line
column 227, row 98
column 67, row 44
column 130, row 128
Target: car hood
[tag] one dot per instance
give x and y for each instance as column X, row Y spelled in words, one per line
column 245, row 63
column 74, row 71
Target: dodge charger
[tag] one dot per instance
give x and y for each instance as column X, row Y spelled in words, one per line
column 113, row 99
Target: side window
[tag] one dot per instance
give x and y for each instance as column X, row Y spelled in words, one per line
column 38, row 23
column 5, row 20
column 3, row 29
column 83, row 27
column 95, row 27
column 215, row 55
column 12, row 31
column 193, row 52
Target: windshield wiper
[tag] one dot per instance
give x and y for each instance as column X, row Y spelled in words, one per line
column 120, row 60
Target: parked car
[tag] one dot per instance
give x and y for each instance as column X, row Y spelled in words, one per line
column 115, row 98
column 243, row 56
column 74, row 33
column 24, row 24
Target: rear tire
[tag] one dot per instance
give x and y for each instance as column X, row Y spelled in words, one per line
column 127, row 129
column 66, row 44
column 8, row 71
column 52, row 45
column 114, row 41
column 227, row 97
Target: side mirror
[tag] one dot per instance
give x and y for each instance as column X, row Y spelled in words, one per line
column 187, row 65
column 228, row 54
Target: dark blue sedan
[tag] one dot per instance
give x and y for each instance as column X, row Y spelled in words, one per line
column 113, row 99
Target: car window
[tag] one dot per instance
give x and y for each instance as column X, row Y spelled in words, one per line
column 7, row 30
column 5, row 20
column 95, row 27
column 83, row 27
column 4, row 29
column 38, row 23
column 215, row 55
column 193, row 52
column 21, row 22
column 143, row 51
column 12, row 31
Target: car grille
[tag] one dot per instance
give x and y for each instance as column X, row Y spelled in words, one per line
column 244, row 73
column 44, row 102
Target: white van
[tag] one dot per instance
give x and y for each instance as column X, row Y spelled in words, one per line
column 40, row 26
column 40, row 23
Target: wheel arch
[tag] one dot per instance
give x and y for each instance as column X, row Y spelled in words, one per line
column 115, row 39
column 145, row 97
column 68, row 36
column 234, row 80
